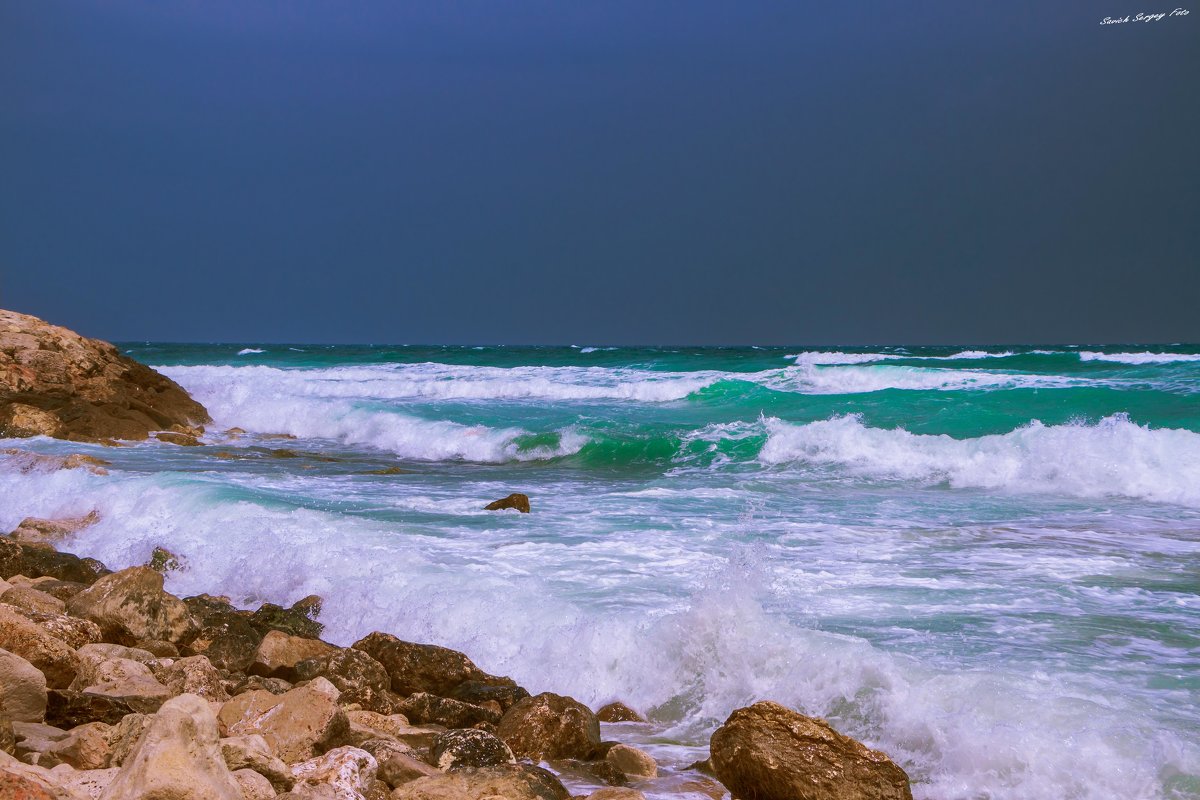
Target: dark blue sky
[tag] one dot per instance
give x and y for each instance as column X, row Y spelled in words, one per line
column 601, row 172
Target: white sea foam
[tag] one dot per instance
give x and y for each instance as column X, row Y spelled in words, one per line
column 834, row 358
column 995, row 733
column 1114, row 457
column 862, row 379
column 1138, row 358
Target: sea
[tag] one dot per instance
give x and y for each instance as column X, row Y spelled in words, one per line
column 984, row 561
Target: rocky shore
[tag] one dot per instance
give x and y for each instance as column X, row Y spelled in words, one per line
column 113, row 688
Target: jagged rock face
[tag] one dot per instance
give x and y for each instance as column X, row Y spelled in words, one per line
column 770, row 752
column 57, row 383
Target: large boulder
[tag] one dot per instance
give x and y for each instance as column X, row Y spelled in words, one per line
column 22, row 689
column 54, row 382
column 460, row 749
column 769, row 752
column 509, row 781
column 131, row 606
column 36, row 562
column 296, row 725
column 361, row 679
column 421, row 667
column 49, row 654
column 550, row 726
column 177, row 758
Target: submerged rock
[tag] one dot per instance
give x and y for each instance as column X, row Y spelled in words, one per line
column 515, row 500
column 770, row 752
column 54, row 382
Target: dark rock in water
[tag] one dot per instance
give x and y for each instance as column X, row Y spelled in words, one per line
column 510, row 781
column 360, row 678
column 515, row 500
column 618, row 712
column 592, row 771
column 164, row 561
column 67, row 709
column 549, row 726
column 37, row 562
column 469, row 748
column 389, row 471
column 181, row 439
column 297, row 620
column 478, row 693
column 422, row 667
column 57, row 383
column 770, row 752
column 423, row 708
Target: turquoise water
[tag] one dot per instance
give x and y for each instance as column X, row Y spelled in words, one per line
column 984, row 561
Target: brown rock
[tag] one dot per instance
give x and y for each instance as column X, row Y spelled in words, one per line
column 480, row 693
column 193, row 675
column 130, row 605
column 31, row 599
column 297, row 725
column 424, row 708
column 124, row 736
column 51, row 532
column 631, row 761
column 770, row 752
column 22, row 689
column 36, row 562
column 163, row 560
column 63, row 590
column 618, row 712
column 68, row 708
column 616, row 793
column 252, row 752
column 349, row 771
column 397, row 763
column 299, row 620
column 58, row 383
column 177, row 758
column 123, row 680
column 55, row 659
column 15, row 786
column 73, row 631
column 509, row 781
column 278, row 654
column 8, row 739
column 84, row 747
column 460, row 749
column 181, row 439
column 548, row 726
column 361, row 679
column 253, row 785
column 421, row 667
column 515, row 500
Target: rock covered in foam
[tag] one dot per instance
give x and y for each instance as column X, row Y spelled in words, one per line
column 770, row 752
column 54, row 382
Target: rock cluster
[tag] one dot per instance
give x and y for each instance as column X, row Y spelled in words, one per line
column 54, row 382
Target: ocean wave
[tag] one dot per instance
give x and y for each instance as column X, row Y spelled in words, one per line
column 864, row 379
column 431, row 381
column 1138, row 358
column 834, row 358
column 1113, row 457
column 246, row 351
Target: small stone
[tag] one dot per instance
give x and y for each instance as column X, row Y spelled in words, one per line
column 515, row 500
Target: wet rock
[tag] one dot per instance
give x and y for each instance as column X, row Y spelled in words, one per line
column 424, row 708
column 131, row 605
column 51, row 532
column 296, row 725
column 515, row 500
column 36, row 562
column 53, row 657
column 469, row 748
column 22, row 689
column 58, row 383
column 252, row 752
column 361, row 679
column 631, row 761
column 616, row 793
column 278, row 654
column 298, row 620
column 181, row 439
column 349, row 771
column 509, row 781
column 618, row 712
column 177, row 758
column 163, row 561
column 421, row 667
column 63, row 590
column 549, row 726
column 771, row 752
column 479, row 693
